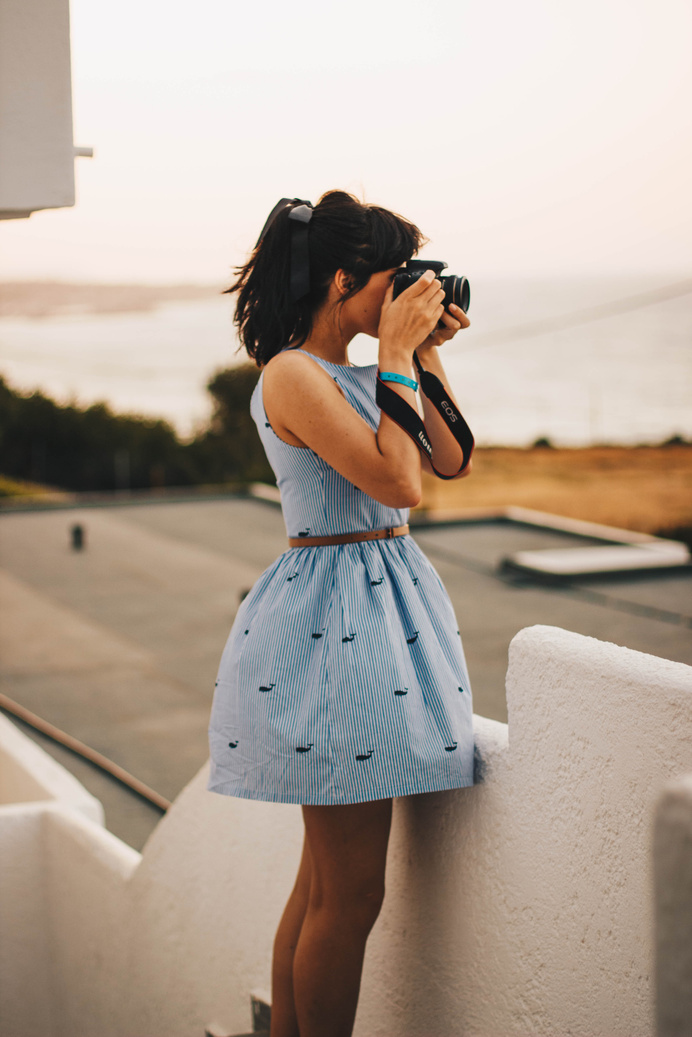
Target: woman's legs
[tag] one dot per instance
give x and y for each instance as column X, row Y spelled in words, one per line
column 284, row 1022
column 347, row 851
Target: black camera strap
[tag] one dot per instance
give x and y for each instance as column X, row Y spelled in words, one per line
column 410, row 420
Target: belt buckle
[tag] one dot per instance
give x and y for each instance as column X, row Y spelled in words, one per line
column 388, row 532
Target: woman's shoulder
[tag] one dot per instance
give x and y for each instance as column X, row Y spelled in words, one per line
column 292, row 365
column 285, row 356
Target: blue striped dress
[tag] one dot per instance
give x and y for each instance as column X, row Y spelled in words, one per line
column 343, row 678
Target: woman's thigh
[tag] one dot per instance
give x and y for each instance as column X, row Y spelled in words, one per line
column 348, row 851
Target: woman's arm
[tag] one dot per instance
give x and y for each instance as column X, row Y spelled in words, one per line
column 447, row 453
column 303, row 403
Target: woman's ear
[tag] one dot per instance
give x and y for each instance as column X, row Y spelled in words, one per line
column 343, row 282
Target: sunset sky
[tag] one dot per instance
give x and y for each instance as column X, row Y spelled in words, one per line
column 531, row 138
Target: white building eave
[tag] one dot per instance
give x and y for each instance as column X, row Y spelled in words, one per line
column 37, row 151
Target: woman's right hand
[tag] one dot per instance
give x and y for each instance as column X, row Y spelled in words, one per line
column 408, row 320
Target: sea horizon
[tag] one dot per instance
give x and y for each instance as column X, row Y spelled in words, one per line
column 578, row 361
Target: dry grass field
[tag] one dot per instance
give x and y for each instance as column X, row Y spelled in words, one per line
column 648, row 489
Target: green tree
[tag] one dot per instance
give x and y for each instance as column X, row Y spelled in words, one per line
column 230, row 450
column 94, row 449
column 87, row 449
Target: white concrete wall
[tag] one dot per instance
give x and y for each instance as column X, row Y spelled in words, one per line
column 36, row 146
column 673, row 876
column 522, row 905
column 532, row 907
column 64, row 925
column 29, row 774
column 27, row 992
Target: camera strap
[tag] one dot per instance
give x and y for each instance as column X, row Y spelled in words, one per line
column 411, row 422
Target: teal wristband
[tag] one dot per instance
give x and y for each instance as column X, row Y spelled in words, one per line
column 391, row 376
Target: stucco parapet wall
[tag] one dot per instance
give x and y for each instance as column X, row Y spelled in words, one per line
column 521, row 905
column 673, row 881
column 28, row 774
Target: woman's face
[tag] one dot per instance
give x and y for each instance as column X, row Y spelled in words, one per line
column 362, row 310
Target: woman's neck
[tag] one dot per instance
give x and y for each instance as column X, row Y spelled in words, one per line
column 327, row 340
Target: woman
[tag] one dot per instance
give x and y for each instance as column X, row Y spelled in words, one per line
column 343, row 681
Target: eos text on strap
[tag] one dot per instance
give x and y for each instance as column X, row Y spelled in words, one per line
column 411, row 422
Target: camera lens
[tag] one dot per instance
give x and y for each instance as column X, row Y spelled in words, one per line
column 457, row 291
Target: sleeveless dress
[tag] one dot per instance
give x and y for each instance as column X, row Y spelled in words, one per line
column 343, row 678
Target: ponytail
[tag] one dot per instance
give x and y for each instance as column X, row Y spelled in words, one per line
column 341, row 234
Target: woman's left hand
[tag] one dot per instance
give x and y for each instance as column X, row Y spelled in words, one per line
column 453, row 321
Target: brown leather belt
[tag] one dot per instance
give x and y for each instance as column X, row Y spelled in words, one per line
column 349, row 538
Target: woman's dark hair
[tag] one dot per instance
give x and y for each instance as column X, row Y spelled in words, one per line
column 343, row 234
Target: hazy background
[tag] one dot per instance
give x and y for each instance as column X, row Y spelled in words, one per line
column 535, row 137
column 544, row 147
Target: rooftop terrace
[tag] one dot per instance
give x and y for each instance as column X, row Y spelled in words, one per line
column 118, row 644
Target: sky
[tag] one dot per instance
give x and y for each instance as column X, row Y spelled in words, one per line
column 525, row 139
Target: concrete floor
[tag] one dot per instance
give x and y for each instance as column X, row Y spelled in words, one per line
column 119, row 644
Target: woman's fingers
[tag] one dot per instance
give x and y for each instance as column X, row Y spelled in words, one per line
column 430, row 290
column 450, row 322
column 448, row 325
column 457, row 311
column 421, row 285
column 424, row 289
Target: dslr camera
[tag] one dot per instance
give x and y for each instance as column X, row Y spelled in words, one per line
column 456, row 289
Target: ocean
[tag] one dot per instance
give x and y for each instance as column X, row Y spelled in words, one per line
column 578, row 361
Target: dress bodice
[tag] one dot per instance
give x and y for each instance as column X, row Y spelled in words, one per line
column 317, row 500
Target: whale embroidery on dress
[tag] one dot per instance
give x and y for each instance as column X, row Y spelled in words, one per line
column 376, row 583
column 412, row 640
column 344, row 639
column 366, row 756
column 316, row 636
column 232, row 745
column 450, row 748
column 266, row 687
column 291, row 577
column 304, row 532
column 401, row 691
column 304, row 748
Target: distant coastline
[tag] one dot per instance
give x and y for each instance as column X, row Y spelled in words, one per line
column 623, row 379
column 42, row 299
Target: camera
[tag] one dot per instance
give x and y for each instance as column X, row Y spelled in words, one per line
column 456, row 289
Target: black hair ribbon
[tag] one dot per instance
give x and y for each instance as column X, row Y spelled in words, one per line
column 300, row 215
column 410, row 420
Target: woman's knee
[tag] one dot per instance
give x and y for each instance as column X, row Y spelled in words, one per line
column 355, row 904
column 368, row 905
column 348, row 851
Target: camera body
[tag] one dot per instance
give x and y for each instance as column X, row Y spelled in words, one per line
column 456, row 289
